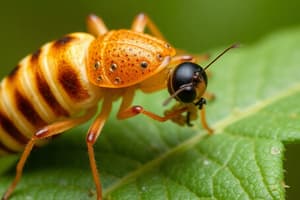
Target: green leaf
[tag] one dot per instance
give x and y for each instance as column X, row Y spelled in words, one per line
column 254, row 114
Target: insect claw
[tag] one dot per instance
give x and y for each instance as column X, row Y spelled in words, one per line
column 188, row 119
column 200, row 103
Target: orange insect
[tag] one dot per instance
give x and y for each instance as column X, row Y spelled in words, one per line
column 60, row 85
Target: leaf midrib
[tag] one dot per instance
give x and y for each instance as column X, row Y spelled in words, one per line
column 218, row 127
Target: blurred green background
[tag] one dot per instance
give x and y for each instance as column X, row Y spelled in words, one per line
column 194, row 25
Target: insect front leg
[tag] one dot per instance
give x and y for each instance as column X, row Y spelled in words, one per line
column 95, row 25
column 135, row 110
column 201, row 105
column 47, row 131
column 191, row 114
column 183, row 118
column 204, row 122
column 127, row 111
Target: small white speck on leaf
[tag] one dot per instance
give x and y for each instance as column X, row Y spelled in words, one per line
column 206, row 162
column 144, row 189
column 28, row 198
column 275, row 151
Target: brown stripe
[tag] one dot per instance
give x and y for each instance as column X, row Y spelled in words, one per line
column 69, row 80
column 35, row 56
column 63, row 41
column 28, row 111
column 49, row 98
column 13, row 73
column 44, row 88
column 12, row 130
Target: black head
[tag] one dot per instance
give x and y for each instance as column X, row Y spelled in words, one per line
column 190, row 79
column 187, row 82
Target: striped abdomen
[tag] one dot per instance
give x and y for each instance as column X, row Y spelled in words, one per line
column 46, row 86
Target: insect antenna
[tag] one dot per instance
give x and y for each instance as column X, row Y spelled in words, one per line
column 221, row 54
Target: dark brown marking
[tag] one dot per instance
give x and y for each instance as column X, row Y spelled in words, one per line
column 144, row 64
column 35, row 56
column 13, row 73
column 61, row 42
column 28, row 111
column 48, row 96
column 12, row 130
column 43, row 86
column 69, row 80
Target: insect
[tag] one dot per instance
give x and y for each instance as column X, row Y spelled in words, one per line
column 60, row 85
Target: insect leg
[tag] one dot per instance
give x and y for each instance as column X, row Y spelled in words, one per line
column 95, row 25
column 45, row 132
column 127, row 111
column 92, row 136
column 142, row 21
column 203, row 120
column 135, row 110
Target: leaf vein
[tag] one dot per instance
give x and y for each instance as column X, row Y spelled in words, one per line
column 184, row 186
column 260, row 170
column 167, row 193
column 225, row 165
